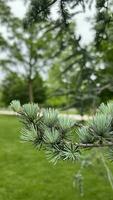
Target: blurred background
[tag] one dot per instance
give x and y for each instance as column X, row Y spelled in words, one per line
column 62, row 58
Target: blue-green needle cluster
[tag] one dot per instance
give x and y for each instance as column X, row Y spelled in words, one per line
column 54, row 133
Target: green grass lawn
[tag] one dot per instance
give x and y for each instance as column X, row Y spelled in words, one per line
column 25, row 174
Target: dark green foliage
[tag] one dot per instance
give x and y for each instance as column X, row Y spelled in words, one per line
column 39, row 89
column 15, row 86
column 104, row 50
column 38, row 11
column 5, row 12
column 104, row 19
column 41, row 10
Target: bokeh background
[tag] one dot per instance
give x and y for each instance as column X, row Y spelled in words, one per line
column 61, row 58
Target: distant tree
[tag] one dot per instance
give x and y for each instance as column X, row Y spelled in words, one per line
column 27, row 55
column 41, row 11
column 103, row 49
column 72, row 72
column 6, row 19
column 15, row 86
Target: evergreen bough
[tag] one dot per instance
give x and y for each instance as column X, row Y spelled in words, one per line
column 64, row 139
column 61, row 137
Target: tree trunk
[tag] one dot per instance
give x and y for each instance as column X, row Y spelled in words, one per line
column 31, row 97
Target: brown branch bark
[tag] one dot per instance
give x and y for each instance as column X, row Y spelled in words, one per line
column 82, row 145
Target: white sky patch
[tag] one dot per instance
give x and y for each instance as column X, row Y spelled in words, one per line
column 18, row 8
column 84, row 26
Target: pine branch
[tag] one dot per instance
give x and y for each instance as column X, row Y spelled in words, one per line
column 55, row 133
